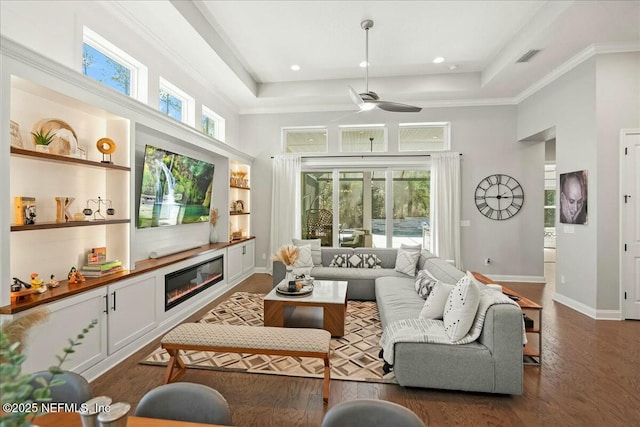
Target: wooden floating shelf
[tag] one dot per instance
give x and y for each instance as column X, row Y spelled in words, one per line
column 65, row 159
column 239, row 213
column 240, row 188
column 46, row 225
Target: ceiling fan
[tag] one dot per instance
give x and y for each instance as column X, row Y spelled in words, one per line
column 369, row 99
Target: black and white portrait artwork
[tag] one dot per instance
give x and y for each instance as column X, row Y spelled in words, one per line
column 573, row 197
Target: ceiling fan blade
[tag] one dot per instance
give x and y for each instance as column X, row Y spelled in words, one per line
column 355, row 96
column 396, row 107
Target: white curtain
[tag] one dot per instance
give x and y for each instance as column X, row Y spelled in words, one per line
column 285, row 201
column 445, row 206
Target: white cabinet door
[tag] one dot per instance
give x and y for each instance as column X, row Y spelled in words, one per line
column 234, row 262
column 66, row 320
column 132, row 310
column 248, row 258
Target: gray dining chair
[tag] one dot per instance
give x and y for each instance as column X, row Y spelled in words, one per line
column 75, row 388
column 182, row 401
column 370, row 413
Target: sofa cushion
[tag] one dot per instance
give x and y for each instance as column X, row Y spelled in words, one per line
column 442, row 270
column 332, row 273
column 406, row 261
column 396, row 299
column 316, row 253
column 424, row 283
column 433, row 307
column 461, row 308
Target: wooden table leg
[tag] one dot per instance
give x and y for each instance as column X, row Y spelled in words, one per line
column 273, row 313
column 327, row 380
column 333, row 319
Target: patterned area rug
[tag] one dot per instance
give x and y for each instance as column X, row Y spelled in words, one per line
column 354, row 357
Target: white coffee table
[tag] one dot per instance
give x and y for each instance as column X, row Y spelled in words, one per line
column 328, row 296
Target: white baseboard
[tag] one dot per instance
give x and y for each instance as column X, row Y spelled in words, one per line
column 262, row 270
column 511, row 278
column 587, row 310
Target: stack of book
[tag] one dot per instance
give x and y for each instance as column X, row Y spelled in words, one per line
column 102, row 268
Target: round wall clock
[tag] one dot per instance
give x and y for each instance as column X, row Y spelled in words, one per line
column 499, row 196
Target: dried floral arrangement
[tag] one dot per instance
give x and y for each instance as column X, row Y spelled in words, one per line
column 213, row 217
column 287, row 254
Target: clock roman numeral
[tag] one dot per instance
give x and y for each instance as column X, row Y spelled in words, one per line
column 482, row 205
column 499, row 214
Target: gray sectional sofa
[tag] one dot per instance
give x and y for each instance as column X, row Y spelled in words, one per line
column 493, row 363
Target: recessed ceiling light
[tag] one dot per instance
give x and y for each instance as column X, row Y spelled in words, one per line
column 438, row 60
column 363, row 64
column 295, row 67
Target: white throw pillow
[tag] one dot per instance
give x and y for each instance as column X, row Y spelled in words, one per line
column 417, row 247
column 434, row 305
column 461, row 308
column 424, row 283
column 406, row 261
column 316, row 253
column 304, row 262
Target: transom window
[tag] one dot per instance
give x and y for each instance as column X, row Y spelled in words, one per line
column 111, row 66
column 212, row 124
column 175, row 103
column 424, row 136
column 305, row 140
column 363, row 139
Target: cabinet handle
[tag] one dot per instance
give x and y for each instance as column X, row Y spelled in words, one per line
column 106, row 304
column 244, row 250
column 114, row 300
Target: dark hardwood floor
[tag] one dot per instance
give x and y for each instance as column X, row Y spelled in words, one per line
column 590, row 376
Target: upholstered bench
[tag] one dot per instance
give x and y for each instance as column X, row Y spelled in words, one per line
column 296, row 342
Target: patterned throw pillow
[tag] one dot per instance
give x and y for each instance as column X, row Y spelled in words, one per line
column 363, row 261
column 424, row 283
column 340, row 260
column 434, row 305
column 316, row 253
column 406, row 261
column 460, row 309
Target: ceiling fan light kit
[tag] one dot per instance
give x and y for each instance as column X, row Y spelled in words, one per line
column 369, row 99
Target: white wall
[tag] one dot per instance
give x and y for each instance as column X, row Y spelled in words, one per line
column 486, row 136
column 54, row 29
column 588, row 106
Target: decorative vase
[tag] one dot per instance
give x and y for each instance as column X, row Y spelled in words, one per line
column 213, row 235
column 42, row 148
column 289, row 276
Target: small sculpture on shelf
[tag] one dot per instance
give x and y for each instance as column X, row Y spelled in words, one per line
column 37, row 283
column 53, row 283
column 75, row 276
column 62, row 208
column 107, row 147
column 97, row 215
column 18, row 284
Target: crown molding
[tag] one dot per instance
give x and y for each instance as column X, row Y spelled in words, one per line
column 585, row 54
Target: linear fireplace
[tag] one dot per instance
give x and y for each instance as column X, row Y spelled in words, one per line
column 183, row 284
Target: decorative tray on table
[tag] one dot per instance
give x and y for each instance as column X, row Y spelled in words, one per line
column 303, row 287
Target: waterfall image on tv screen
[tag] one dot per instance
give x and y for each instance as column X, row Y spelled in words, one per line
column 176, row 189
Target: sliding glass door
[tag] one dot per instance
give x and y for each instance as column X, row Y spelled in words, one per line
column 381, row 207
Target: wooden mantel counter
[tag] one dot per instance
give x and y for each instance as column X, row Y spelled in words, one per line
column 66, row 290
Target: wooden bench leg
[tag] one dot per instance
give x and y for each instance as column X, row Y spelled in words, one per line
column 327, row 380
column 174, row 362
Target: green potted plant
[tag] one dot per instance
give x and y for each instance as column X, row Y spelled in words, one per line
column 16, row 393
column 42, row 141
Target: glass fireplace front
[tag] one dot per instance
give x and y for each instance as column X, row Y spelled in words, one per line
column 183, row 284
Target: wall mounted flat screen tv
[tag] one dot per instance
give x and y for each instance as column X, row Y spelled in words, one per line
column 176, row 189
